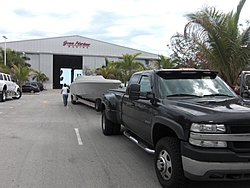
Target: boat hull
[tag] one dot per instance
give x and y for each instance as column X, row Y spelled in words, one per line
column 92, row 87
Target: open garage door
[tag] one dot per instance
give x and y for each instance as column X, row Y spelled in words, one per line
column 69, row 64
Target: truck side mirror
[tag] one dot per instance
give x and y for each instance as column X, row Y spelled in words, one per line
column 134, row 91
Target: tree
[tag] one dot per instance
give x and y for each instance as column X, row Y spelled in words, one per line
column 14, row 58
column 40, row 76
column 220, row 40
column 186, row 52
column 21, row 74
column 108, row 70
column 86, row 70
column 5, row 69
column 18, row 68
column 127, row 67
column 165, row 62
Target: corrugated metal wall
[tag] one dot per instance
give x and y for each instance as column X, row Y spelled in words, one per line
column 41, row 52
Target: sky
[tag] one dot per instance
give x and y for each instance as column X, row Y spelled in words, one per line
column 145, row 25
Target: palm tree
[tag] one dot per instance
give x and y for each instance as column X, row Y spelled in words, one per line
column 40, row 77
column 108, row 70
column 21, row 74
column 1, row 56
column 127, row 67
column 16, row 58
column 220, row 40
column 165, row 63
column 5, row 69
column 13, row 58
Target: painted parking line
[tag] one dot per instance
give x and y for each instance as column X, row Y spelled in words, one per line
column 78, row 136
column 6, row 107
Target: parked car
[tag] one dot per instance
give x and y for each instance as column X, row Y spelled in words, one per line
column 39, row 84
column 28, row 87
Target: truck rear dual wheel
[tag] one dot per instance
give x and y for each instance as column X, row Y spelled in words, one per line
column 109, row 127
column 168, row 165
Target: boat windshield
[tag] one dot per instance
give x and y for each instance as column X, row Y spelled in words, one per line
column 197, row 85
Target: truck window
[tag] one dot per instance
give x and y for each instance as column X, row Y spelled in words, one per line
column 145, row 84
column 8, row 77
column 248, row 81
column 5, row 77
column 1, row 77
column 134, row 79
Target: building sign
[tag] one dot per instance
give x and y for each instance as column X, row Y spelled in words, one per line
column 77, row 44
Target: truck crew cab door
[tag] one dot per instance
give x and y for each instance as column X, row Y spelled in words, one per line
column 136, row 113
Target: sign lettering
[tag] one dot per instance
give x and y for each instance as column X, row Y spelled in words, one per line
column 77, row 44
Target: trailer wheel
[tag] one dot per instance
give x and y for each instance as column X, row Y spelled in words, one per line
column 107, row 125
column 72, row 100
column 98, row 103
column 168, row 165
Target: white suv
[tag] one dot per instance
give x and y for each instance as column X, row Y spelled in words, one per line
column 8, row 88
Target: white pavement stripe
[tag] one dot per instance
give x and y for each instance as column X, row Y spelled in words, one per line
column 78, row 136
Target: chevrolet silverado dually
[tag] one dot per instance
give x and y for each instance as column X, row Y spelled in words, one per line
column 196, row 126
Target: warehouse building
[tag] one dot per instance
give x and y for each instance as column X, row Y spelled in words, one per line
column 72, row 54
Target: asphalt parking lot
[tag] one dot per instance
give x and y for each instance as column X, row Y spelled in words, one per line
column 44, row 144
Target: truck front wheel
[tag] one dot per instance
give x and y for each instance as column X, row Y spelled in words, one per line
column 168, row 165
column 18, row 94
column 3, row 95
column 107, row 125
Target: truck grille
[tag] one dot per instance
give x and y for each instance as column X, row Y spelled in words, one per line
column 239, row 129
column 239, row 146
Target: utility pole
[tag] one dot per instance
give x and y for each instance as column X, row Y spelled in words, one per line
column 5, row 49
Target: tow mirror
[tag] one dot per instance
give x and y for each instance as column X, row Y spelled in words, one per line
column 134, row 91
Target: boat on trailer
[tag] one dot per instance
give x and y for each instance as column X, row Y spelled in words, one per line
column 87, row 89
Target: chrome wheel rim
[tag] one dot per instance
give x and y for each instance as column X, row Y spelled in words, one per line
column 4, row 95
column 18, row 93
column 164, row 165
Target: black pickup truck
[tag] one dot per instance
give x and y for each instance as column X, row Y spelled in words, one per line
column 196, row 126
